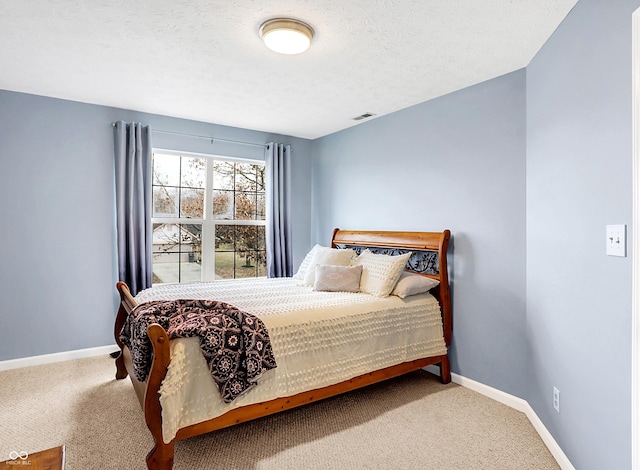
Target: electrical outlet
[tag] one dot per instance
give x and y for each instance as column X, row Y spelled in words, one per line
column 556, row 399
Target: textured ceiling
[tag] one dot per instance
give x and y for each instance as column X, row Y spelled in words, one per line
column 204, row 60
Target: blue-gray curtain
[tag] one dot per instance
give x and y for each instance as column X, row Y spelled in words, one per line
column 278, row 194
column 132, row 150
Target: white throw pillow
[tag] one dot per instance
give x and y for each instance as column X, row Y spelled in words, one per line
column 380, row 273
column 306, row 262
column 412, row 284
column 327, row 256
column 337, row 278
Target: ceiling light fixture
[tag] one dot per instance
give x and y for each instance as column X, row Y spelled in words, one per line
column 286, row 35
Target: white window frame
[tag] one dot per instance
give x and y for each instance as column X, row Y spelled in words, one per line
column 208, row 222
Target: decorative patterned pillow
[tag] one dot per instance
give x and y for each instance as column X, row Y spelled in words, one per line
column 412, row 284
column 304, row 266
column 328, row 256
column 337, row 278
column 380, row 273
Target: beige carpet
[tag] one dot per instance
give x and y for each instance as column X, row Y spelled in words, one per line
column 412, row 422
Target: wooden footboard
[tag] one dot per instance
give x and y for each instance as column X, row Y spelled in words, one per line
column 161, row 456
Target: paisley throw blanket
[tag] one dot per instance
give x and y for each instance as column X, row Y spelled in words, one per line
column 235, row 344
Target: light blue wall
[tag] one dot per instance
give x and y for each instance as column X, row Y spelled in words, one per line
column 579, row 160
column 57, row 243
column 456, row 162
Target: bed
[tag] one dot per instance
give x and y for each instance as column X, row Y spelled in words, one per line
column 379, row 337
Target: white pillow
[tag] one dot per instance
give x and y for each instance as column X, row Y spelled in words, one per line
column 328, row 256
column 380, row 273
column 337, row 278
column 306, row 262
column 412, row 284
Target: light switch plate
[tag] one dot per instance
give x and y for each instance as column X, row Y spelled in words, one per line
column 616, row 240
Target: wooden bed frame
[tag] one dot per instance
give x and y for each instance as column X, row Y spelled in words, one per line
column 161, row 456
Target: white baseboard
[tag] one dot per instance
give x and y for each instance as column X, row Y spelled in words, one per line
column 517, row 404
column 547, row 438
column 57, row 357
column 493, row 393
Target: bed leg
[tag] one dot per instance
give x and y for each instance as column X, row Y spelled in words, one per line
column 121, row 370
column 161, row 456
column 445, row 370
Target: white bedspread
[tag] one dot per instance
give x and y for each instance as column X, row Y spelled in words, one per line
column 318, row 339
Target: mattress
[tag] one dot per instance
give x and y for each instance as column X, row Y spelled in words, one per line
column 318, row 339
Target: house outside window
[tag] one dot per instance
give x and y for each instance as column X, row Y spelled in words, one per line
column 208, row 218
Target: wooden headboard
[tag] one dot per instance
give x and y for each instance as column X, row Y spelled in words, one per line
column 429, row 258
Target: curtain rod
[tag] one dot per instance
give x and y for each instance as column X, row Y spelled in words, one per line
column 212, row 139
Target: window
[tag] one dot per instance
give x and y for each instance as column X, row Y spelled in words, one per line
column 208, row 218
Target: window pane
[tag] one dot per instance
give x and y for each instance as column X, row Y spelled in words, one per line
column 240, row 251
column 225, row 267
column 245, row 265
column 222, row 205
column 165, row 201
column 223, row 173
column 166, row 170
column 191, row 236
column 190, row 252
column 245, row 177
column 166, row 253
column 225, row 238
column 225, row 252
column 177, row 253
column 248, row 250
column 165, row 237
column 246, row 238
column 251, row 264
column 165, row 268
column 191, row 203
column 245, row 206
column 193, row 172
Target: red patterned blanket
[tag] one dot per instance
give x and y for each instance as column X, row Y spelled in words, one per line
column 235, row 344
